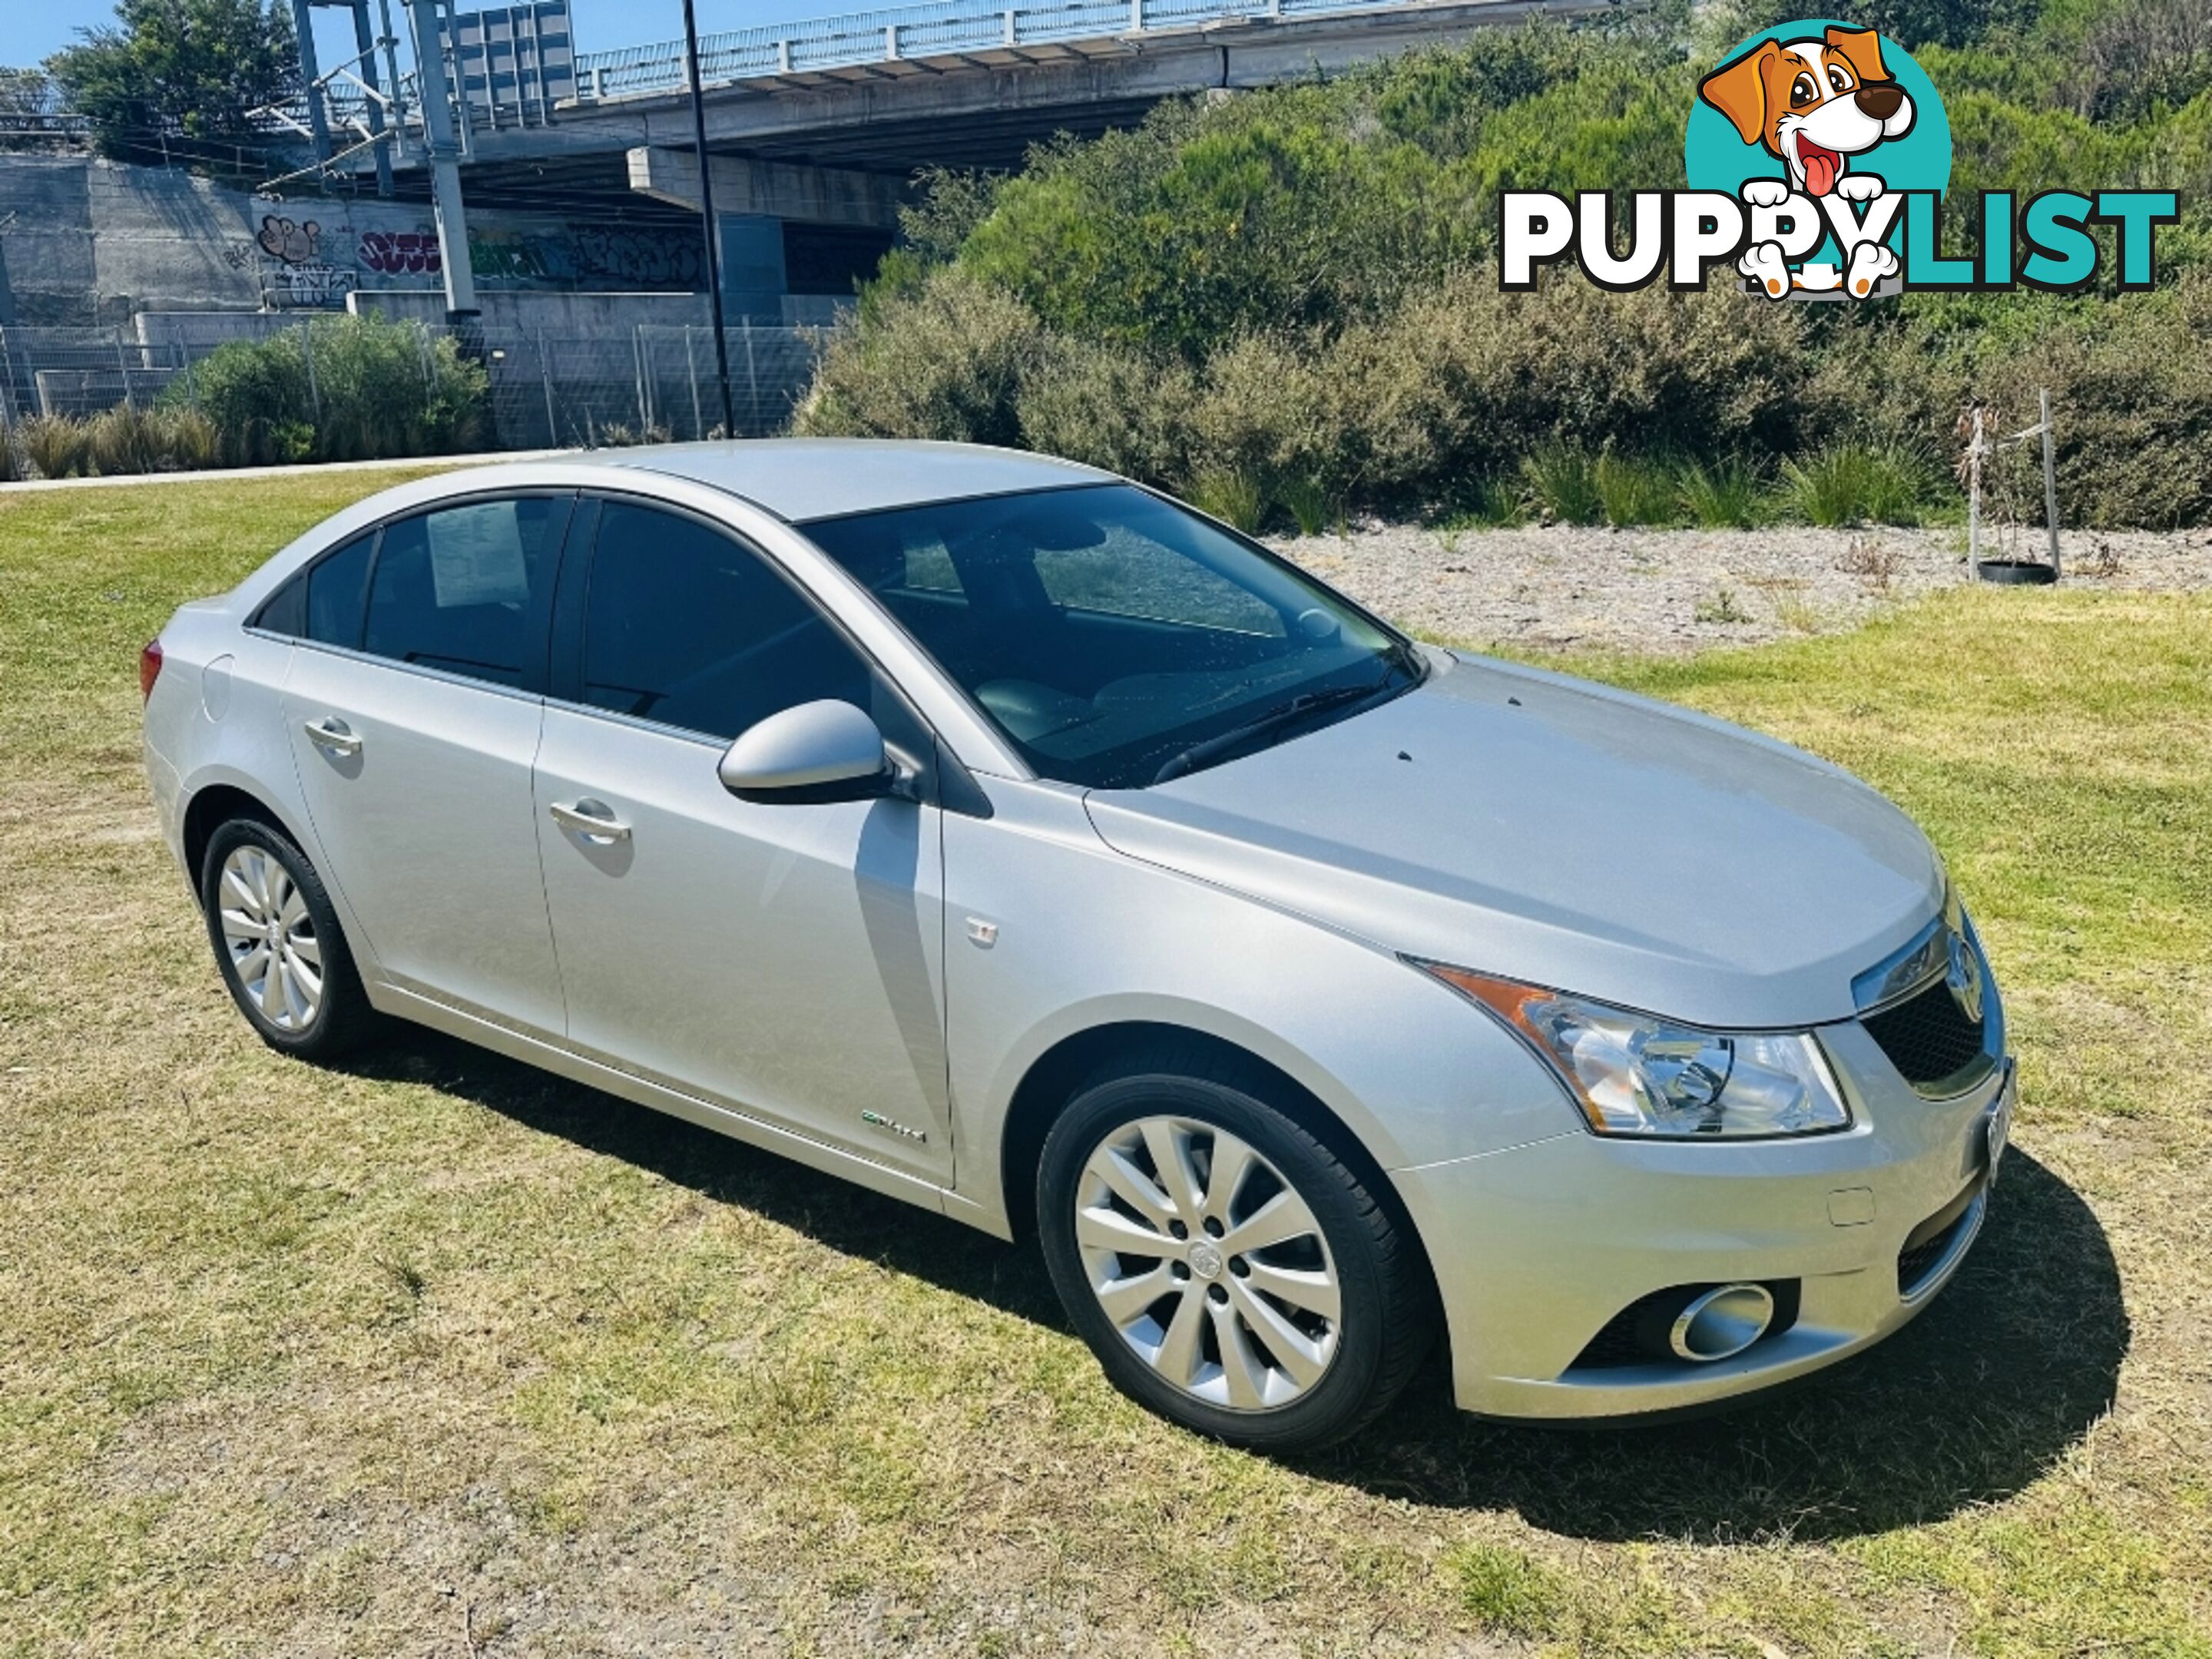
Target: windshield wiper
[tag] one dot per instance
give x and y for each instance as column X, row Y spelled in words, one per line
column 1305, row 703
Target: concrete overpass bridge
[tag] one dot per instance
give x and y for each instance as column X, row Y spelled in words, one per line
column 814, row 128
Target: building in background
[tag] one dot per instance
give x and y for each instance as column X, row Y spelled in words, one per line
column 513, row 63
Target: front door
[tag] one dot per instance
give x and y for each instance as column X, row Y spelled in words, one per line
column 783, row 960
column 414, row 725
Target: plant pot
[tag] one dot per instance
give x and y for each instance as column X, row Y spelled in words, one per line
column 2015, row 573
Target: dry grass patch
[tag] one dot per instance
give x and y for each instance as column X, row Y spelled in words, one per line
column 436, row 1354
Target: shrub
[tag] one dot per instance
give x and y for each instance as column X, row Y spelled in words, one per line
column 1233, row 496
column 56, row 444
column 1496, row 505
column 351, row 388
column 1724, row 496
column 1311, row 505
column 1851, row 483
column 1635, row 490
column 1268, row 408
column 1563, row 478
column 186, row 440
column 945, row 361
column 123, row 439
column 1126, row 411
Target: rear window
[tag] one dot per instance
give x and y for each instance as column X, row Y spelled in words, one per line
column 322, row 602
column 466, row 588
column 336, row 587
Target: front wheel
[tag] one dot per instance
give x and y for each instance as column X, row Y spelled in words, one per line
column 1229, row 1271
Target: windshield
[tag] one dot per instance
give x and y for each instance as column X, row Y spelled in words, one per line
column 1116, row 639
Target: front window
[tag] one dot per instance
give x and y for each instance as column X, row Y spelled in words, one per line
column 1116, row 639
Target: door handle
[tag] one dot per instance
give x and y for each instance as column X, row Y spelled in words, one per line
column 334, row 734
column 594, row 818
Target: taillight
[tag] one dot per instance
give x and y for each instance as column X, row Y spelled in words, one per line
column 150, row 668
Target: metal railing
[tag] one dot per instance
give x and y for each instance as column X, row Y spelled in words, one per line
column 946, row 29
column 939, row 28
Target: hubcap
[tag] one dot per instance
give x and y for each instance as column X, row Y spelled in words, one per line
column 1208, row 1262
column 270, row 937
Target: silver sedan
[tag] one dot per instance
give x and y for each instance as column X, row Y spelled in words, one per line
column 995, row 833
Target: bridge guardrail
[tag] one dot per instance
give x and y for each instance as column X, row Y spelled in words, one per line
column 889, row 35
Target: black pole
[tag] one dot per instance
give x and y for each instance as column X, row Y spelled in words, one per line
column 706, row 216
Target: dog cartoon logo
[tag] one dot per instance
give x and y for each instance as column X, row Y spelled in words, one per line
column 1814, row 103
column 1817, row 121
column 1817, row 160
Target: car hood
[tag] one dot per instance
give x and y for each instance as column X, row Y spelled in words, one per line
column 1539, row 827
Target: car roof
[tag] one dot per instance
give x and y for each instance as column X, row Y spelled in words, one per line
column 802, row 478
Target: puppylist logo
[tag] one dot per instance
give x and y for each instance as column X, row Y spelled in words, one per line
column 1818, row 156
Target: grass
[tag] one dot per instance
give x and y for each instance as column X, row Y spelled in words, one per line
column 1728, row 495
column 1237, row 498
column 1563, row 479
column 1637, row 489
column 1848, row 483
column 1313, row 506
column 439, row 1354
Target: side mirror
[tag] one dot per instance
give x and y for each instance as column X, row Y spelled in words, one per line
column 817, row 751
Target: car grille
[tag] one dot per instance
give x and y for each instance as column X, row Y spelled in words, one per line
column 1932, row 1241
column 1932, row 1041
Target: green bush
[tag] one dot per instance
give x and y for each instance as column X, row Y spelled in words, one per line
column 339, row 389
column 1723, row 495
column 1230, row 495
column 947, row 361
column 1851, row 483
column 1128, row 411
column 1637, row 490
column 1311, row 505
column 1562, row 476
column 1296, row 287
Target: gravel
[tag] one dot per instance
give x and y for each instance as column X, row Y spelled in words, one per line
column 1668, row 591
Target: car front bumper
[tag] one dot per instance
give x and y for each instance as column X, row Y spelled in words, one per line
column 1538, row 1247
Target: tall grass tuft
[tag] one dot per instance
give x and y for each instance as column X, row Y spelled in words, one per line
column 1563, row 478
column 1726, row 495
column 1636, row 490
column 54, row 444
column 187, row 440
column 122, row 441
column 1231, row 494
column 1311, row 503
column 1849, row 483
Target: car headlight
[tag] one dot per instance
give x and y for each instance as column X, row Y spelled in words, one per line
column 1636, row 1074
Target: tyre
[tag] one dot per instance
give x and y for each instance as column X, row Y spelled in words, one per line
column 278, row 943
column 1229, row 1269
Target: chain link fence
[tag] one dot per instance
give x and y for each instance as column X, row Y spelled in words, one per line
column 656, row 383
column 650, row 383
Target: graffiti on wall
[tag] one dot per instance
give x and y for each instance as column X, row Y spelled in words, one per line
column 284, row 258
column 403, row 253
column 312, row 287
column 287, row 258
column 590, row 256
column 288, row 242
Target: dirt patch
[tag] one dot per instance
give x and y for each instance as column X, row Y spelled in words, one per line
column 1560, row 587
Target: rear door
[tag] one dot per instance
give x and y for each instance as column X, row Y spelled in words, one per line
column 785, row 960
column 413, row 708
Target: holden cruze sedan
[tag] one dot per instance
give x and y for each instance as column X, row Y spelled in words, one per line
column 995, row 833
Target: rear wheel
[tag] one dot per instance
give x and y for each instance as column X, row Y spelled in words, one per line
column 1230, row 1271
column 278, row 942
